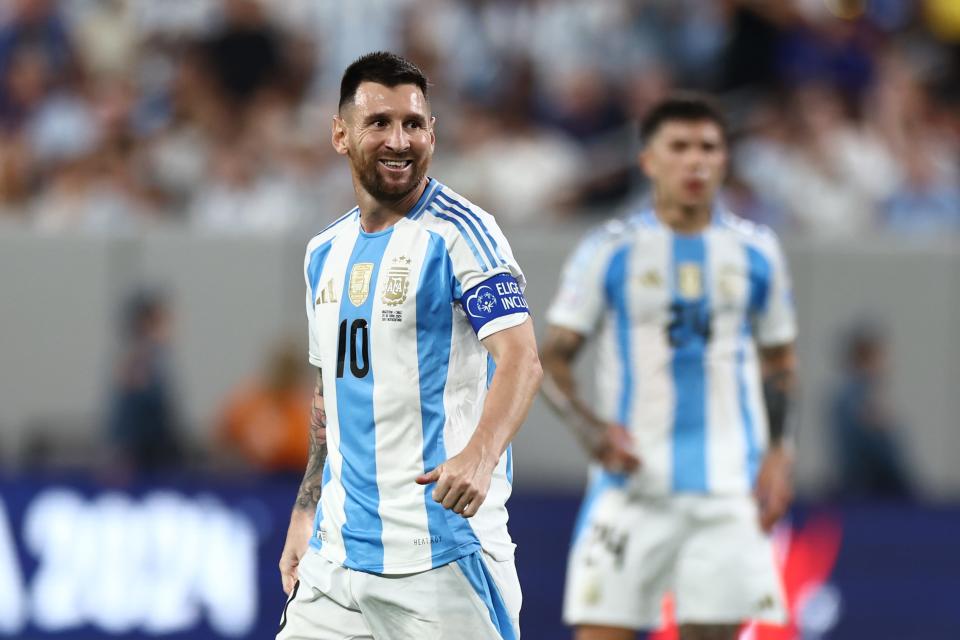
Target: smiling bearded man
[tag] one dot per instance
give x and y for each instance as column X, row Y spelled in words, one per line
column 401, row 532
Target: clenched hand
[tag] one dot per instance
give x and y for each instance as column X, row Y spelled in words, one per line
column 462, row 481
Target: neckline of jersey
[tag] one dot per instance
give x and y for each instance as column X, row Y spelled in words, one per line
column 648, row 217
column 376, row 234
column 432, row 187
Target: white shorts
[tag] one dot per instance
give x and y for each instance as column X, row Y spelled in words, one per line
column 709, row 551
column 475, row 597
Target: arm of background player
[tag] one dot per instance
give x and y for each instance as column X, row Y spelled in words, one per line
column 305, row 508
column 608, row 443
column 774, row 488
column 463, row 480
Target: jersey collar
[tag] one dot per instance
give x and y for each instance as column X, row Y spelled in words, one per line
column 647, row 217
column 432, row 187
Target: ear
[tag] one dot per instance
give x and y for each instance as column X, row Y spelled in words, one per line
column 338, row 135
column 433, row 134
column 645, row 162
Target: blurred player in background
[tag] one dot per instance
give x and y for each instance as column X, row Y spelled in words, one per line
column 694, row 316
column 143, row 423
column 409, row 295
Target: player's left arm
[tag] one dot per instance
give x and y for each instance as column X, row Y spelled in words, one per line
column 463, row 480
column 774, row 488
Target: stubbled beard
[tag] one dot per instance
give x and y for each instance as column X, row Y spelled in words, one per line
column 375, row 185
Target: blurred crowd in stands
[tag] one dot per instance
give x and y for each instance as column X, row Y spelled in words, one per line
column 121, row 114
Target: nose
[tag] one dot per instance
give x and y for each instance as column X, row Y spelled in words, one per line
column 696, row 160
column 398, row 140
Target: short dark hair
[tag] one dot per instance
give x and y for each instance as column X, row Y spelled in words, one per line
column 381, row 67
column 685, row 106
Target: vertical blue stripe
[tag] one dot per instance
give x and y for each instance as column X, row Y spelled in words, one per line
column 491, row 369
column 749, row 428
column 616, row 284
column 362, row 530
column 463, row 232
column 448, row 530
column 601, row 481
column 468, row 211
column 688, row 367
column 479, row 577
column 315, row 267
column 510, row 463
column 758, row 269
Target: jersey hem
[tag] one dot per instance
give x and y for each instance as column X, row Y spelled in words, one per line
column 417, row 566
column 634, row 623
column 566, row 322
column 776, row 339
column 641, row 493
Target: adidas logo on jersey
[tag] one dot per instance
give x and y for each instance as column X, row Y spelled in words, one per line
column 327, row 295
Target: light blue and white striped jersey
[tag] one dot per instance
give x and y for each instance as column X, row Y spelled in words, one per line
column 679, row 318
column 395, row 322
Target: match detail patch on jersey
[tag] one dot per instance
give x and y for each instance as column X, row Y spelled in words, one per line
column 493, row 298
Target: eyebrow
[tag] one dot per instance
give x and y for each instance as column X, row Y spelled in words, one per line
column 387, row 115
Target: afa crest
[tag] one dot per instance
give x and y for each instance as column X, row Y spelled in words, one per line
column 398, row 282
column 732, row 283
column 360, row 282
column 690, row 280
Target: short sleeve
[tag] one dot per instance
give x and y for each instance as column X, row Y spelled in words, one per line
column 776, row 323
column 489, row 283
column 312, row 266
column 313, row 354
column 579, row 302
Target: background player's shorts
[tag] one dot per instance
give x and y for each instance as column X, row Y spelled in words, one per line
column 475, row 597
column 708, row 550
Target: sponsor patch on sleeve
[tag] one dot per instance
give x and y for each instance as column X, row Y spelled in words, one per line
column 493, row 298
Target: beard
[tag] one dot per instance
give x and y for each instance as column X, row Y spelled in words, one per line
column 385, row 190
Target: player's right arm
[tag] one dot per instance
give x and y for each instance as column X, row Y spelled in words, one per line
column 608, row 443
column 308, row 496
column 573, row 316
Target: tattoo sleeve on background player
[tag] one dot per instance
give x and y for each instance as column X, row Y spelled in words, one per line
column 309, row 494
column 560, row 387
column 777, row 394
column 779, row 391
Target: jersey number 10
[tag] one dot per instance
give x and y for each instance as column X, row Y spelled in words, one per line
column 357, row 328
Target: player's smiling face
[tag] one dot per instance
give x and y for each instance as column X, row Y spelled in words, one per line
column 686, row 161
column 387, row 132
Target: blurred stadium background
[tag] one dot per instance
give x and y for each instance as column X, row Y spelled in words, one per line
column 162, row 165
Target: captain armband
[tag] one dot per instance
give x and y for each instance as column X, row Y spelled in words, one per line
column 493, row 298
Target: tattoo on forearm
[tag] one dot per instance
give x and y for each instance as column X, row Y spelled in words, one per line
column 779, row 401
column 559, row 387
column 309, row 494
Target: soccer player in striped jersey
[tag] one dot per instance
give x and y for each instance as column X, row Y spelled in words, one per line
column 693, row 314
column 427, row 366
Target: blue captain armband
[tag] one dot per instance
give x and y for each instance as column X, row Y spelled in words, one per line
column 493, row 298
